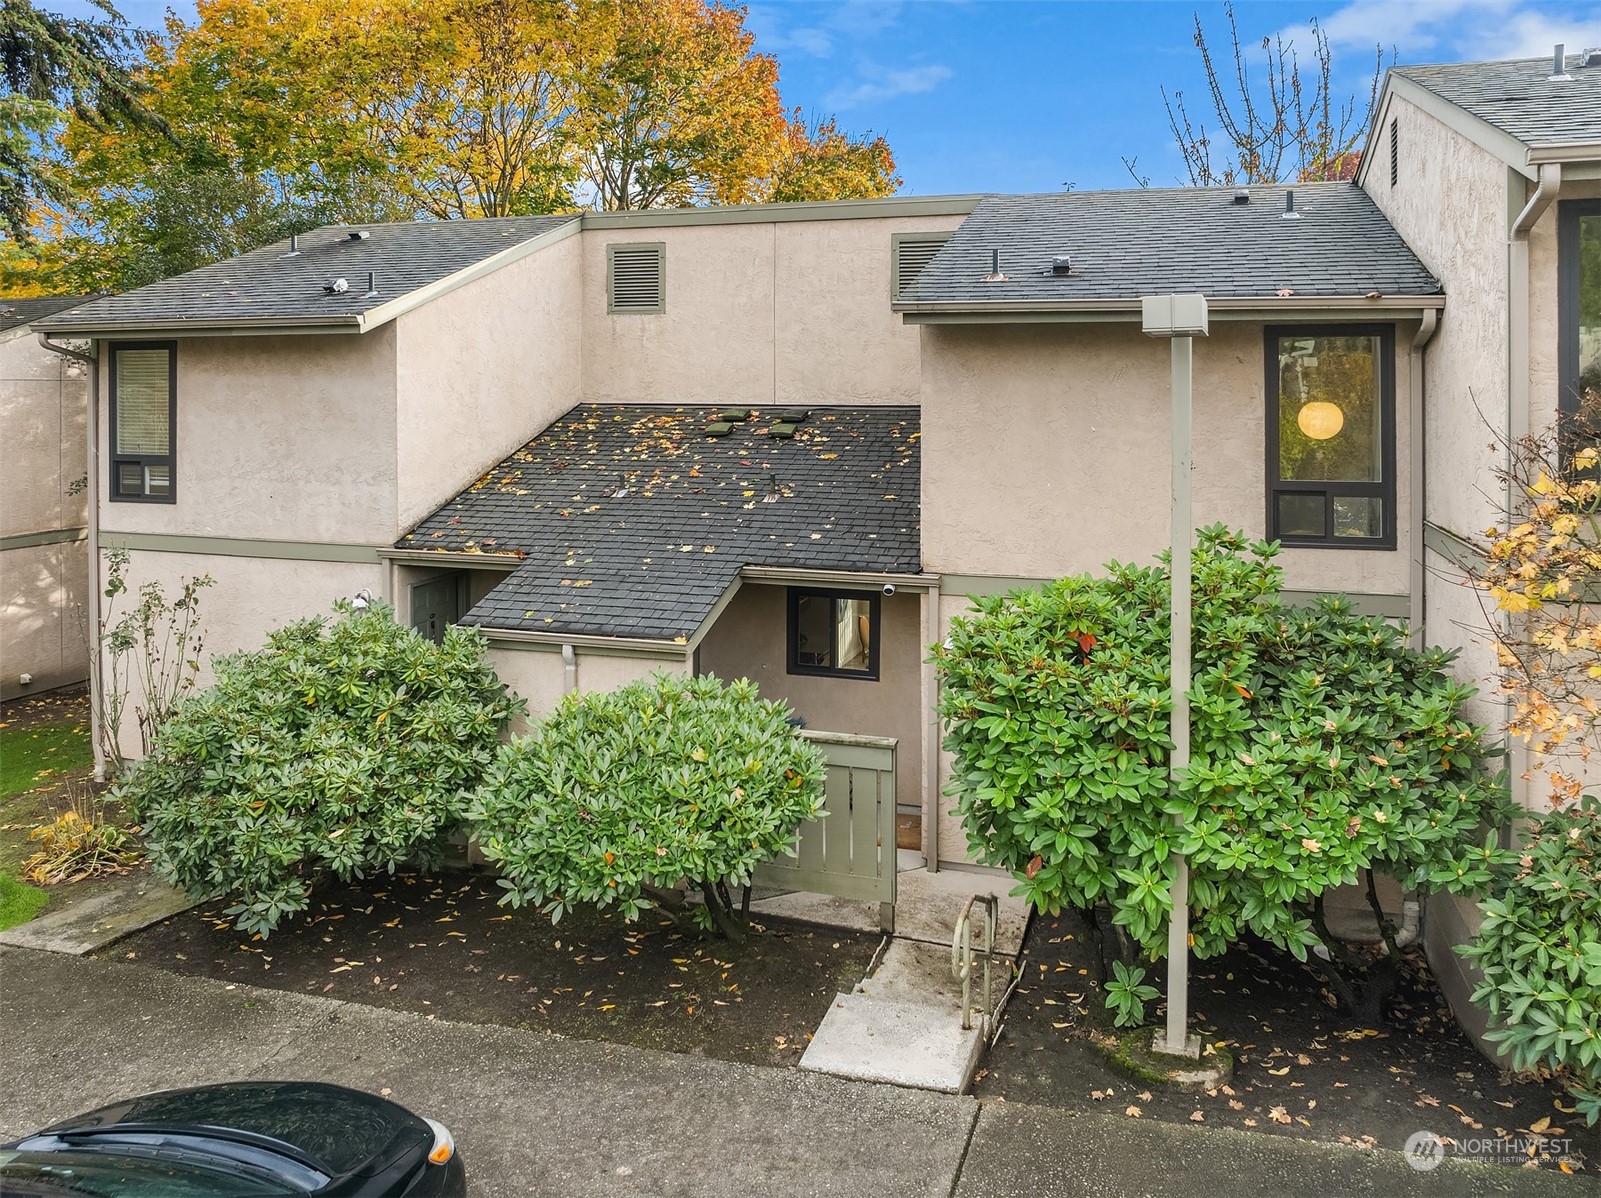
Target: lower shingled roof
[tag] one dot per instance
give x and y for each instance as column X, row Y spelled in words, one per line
column 630, row 521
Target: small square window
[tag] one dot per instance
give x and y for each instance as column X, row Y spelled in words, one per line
column 834, row 633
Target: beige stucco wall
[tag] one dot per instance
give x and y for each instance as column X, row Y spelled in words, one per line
column 1450, row 203
column 249, row 598
column 482, row 369
column 748, row 641
column 537, row 674
column 279, row 438
column 787, row 312
column 42, row 633
column 1046, row 451
column 43, row 418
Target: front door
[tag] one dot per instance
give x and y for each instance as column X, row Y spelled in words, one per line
column 437, row 604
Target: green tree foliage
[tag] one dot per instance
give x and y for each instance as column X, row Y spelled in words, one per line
column 619, row 796
column 1539, row 949
column 344, row 745
column 1321, row 747
column 287, row 114
column 51, row 66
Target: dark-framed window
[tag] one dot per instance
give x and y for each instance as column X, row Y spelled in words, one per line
column 144, row 422
column 1331, row 435
column 834, row 633
column 1579, row 318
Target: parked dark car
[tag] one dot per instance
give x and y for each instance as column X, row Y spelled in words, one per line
column 239, row 1140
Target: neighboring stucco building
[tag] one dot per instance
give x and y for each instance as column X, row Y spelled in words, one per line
column 44, row 408
column 792, row 441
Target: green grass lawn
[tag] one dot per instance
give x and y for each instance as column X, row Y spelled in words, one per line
column 19, row 902
column 31, row 757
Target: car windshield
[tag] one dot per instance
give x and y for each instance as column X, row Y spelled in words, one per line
column 57, row 1174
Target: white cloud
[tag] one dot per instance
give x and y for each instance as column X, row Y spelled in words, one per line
column 887, row 84
column 1449, row 30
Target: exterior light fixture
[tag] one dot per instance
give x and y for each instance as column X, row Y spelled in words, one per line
column 1320, row 419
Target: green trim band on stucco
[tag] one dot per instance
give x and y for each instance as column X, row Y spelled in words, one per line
column 1387, row 607
column 299, row 551
column 976, row 586
column 1454, row 548
column 765, row 214
column 56, row 536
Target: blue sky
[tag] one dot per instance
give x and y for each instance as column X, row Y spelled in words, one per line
column 1027, row 95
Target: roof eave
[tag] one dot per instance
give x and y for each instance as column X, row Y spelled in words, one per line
column 257, row 326
column 1242, row 308
column 623, row 646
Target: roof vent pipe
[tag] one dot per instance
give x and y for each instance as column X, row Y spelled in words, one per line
column 294, row 246
column 1558, row 62
column 372, row 284
column 1289, row 212
column 995, row 275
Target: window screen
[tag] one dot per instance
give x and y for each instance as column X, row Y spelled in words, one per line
column 142, row 407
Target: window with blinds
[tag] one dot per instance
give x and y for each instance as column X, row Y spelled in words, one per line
column 143, row 399
column 910, row 253
column 636, row 278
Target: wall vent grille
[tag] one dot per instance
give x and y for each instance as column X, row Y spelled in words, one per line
column 636, row 278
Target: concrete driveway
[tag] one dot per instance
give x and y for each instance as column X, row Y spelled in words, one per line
column 538, row 1115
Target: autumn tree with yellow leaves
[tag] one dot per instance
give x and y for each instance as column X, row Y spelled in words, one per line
column 291, row 113
column 1542, row 571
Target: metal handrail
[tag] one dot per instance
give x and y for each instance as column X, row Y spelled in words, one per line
column 962, row 956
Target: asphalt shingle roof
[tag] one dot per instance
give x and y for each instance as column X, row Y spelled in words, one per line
column 264, row 285
column 17, row 312
column 1131, row 243
column 1518, row 96
column 653, row 562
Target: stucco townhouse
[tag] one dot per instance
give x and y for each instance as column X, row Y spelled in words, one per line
column 791, row 441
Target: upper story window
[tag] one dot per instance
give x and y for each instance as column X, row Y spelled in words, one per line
column 144, row 410
column 636, row 278
column 1579, row 316
column 833, row 633
column 909, row 254
column 1331, row 436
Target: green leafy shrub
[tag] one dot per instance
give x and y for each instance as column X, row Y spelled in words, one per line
column 345, row 745
column 1539, row 949
column 618, row 796
column 1321, row 746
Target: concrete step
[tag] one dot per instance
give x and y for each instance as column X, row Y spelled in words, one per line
column 876, row 1039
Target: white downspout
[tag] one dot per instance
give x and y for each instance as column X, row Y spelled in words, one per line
column 1545, row 192
column 92, row 535
column 1417, row 468
column 931, row 734
column 569, row 669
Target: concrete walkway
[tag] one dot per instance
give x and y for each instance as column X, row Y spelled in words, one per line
column 120, row 905
column 538, row 1115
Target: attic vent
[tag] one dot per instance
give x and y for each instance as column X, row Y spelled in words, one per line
column 1395, row 152
column 910, row 253
column 636, row 277
column 1590, row 57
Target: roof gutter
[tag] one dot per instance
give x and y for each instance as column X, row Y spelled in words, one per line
column 258, row 327
column 1246, row 308
column 1564, row 151
column 619, row 646
column 92, row 595
column 445, row 557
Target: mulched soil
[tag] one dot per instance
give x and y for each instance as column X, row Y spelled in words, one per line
column 442, row 946
column 1302, row 1068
